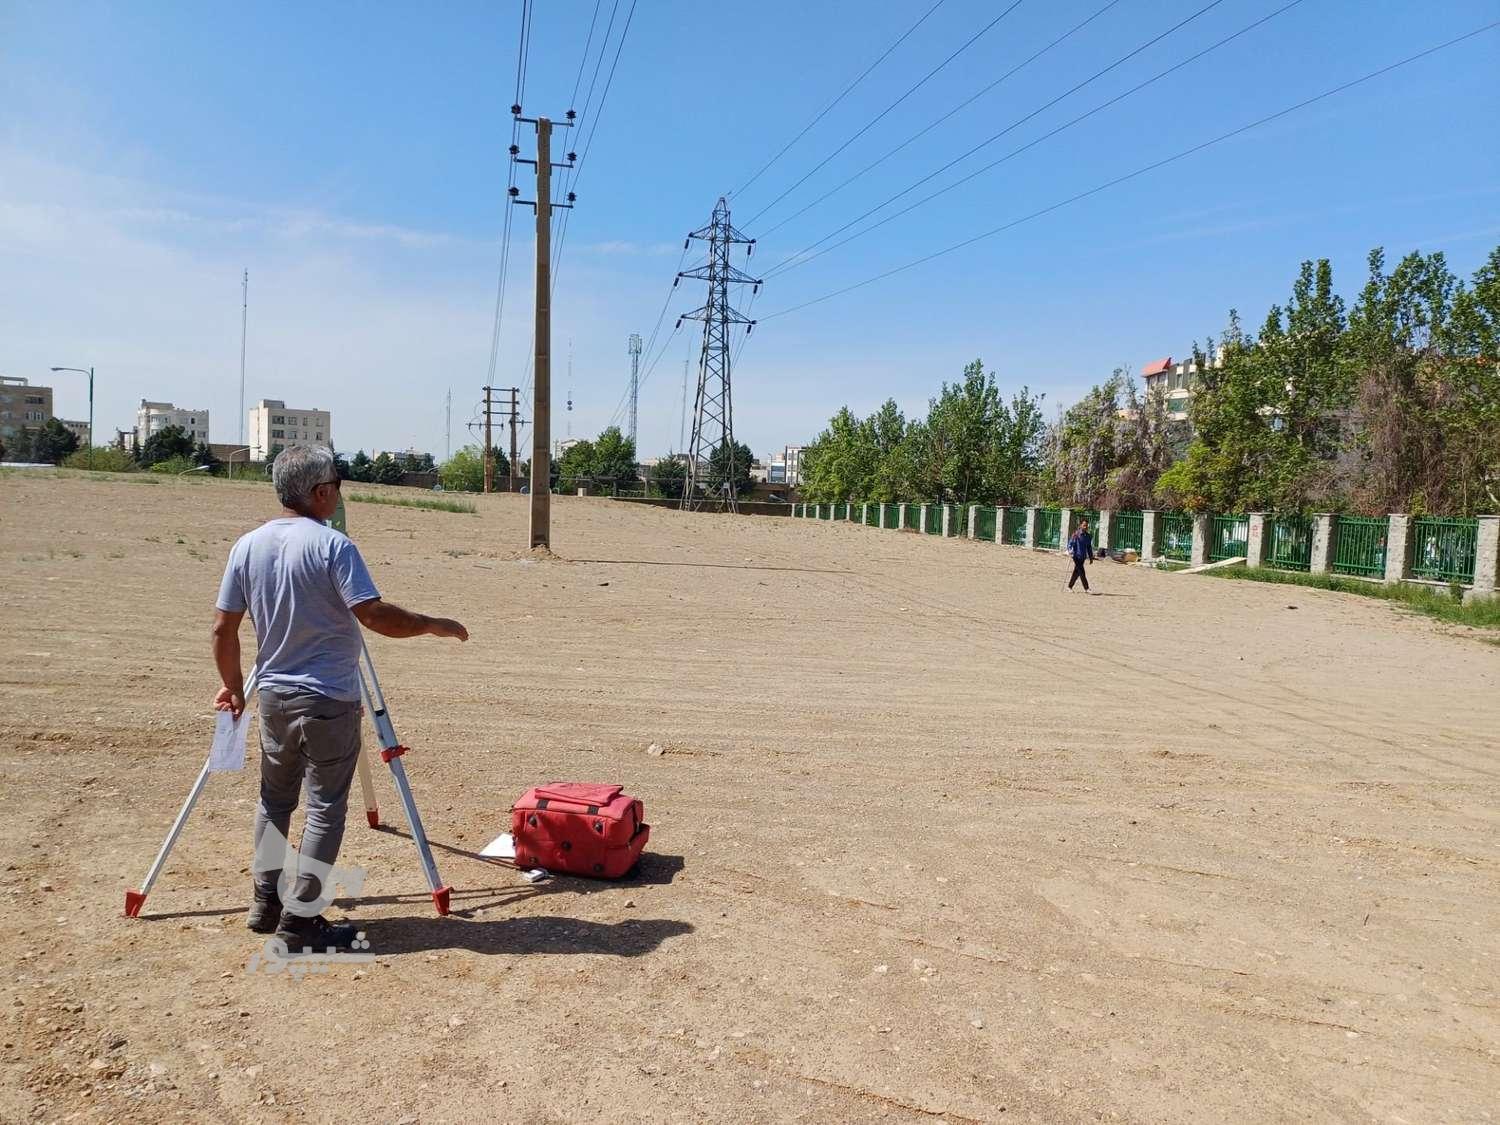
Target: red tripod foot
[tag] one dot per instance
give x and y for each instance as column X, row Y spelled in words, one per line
column 440, row 899
column 373, row 816
column 134, row 901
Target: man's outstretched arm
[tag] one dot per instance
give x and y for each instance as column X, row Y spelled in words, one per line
column 392, row 621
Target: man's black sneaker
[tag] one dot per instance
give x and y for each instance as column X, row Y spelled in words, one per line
column 265, row 912
column 317, row 934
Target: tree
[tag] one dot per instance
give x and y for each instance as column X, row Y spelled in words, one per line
column 725, row 465
column 341, row 466
column 577, row 463
column 1085, row 445
column 411, row 462
column 2, row 447
column 203, row 455
column 668, row 476
column 50, row 442
column 386, row 470
column 614, row 457
column 361, row 468
column 170, row 443
column 105, row 459
column 425, row 463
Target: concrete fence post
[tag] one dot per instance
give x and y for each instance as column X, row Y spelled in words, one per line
column 901, row 517
column 1322, row 545
column 1255, row 543
column 1398, row 548
column 973, row 520
column 947, row 515
column 1067, row 524
column 999, row 524
column 1486, row 560
column 1202, row 526
column 1150, row 534
column 922, row 519
column 1105, row 529
column 1031, row 527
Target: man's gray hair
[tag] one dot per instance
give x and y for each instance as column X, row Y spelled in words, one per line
column 297, row 470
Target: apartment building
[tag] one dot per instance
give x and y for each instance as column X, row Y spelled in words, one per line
column 273, row 425
column 23, row 406
column 154, row 417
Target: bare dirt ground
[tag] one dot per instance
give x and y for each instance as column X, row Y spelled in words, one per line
column 932, row 839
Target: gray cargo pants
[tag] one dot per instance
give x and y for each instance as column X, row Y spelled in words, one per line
column 305, row 735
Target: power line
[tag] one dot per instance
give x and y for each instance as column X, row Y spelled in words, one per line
column 879, row 116
column 522, row 51
column 803, row 256
column 845, row 93
column 1152, row 167
column 1074, row 30
column 583, row 61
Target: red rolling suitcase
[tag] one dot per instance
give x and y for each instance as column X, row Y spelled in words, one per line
column 580, row 828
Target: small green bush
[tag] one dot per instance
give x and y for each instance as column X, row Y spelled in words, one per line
column 174, row 465
column 106, row 459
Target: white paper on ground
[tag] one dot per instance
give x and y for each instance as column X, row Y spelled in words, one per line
column 228, row 750
column 501, row 847
column 536, row 875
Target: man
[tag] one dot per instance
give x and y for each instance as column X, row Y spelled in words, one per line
column 307, row 591
column 1081, row 550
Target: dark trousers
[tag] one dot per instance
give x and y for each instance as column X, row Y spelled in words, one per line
column 305, row 739
column 1078, row 574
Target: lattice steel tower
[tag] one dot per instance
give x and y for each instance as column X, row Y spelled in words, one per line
column 713, row 407
column 635, row 381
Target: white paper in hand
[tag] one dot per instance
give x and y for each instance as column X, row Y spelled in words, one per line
column 228, row 750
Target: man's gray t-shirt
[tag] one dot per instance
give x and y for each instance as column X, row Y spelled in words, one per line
column 299, row 579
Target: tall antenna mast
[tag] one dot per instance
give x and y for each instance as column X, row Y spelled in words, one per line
column 682, row 418
column 448, row 424
column 635, row 382
column 570, row 386
column 244, row 324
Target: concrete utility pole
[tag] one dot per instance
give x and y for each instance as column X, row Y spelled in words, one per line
column 489, row 446
column 515, row 402
column 541, row 407
column 448, row 425
column 244, row 324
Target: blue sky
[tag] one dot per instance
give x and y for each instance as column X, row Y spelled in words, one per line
column 352, row 157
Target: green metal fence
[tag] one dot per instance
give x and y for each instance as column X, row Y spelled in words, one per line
column 958, row 519
column 1048, row 528
column 1177, row 536
column 932, row 521
column 1444, row 549
column 1228, row 537
column 872, row 515
column 890, row 515
column 984, row 524
column 1288, row 543
column 1359, row 544
column 841, row 511
column 1126, row 529
column 1014, row 531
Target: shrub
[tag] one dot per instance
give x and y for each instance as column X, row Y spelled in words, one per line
column 106, row 459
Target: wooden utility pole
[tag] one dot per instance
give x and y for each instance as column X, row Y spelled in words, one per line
column 515, row 402
column 541, row 408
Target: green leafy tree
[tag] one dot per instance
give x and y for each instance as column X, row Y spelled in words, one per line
column 667, row 477
column 361, row 468
column 50, row 442
column 386, row 469
column 576, row 465
column 203, row 455
column 726, row 465
column 464, row 471
column 614, row 458
column 425, row 463
column 167, row 444
column 341, row 466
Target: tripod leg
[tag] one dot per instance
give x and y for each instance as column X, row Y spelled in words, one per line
column 440, row 892
column 135, row 899
column 367, row 787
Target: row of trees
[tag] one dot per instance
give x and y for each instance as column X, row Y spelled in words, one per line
column 972, row 447
column 1393, row 405
column 54, row 444
column 385, row 468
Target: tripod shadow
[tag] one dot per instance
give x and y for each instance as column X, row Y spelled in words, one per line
column 633, row 937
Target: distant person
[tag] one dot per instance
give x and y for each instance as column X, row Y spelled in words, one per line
column 1081, row 550
column 307, row 591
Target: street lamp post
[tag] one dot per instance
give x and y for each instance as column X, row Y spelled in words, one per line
column 231, row 460
column 90, row 374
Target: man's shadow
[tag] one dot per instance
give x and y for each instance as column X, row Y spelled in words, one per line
column 532, row 934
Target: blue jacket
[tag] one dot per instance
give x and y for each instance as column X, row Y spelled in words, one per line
column 1081, row 546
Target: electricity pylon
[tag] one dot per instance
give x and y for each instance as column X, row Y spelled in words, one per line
column 635, row 382
column 713, row 407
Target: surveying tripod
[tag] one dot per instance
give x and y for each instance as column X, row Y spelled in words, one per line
column 391, row 752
